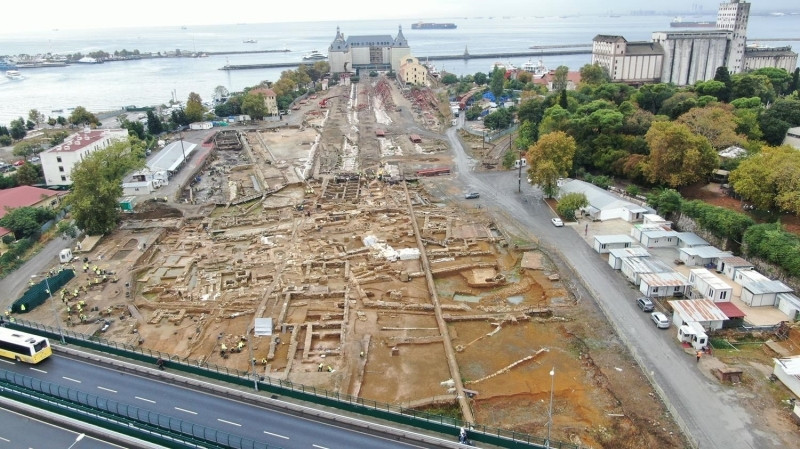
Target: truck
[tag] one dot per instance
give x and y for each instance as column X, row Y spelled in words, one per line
column 454, row 110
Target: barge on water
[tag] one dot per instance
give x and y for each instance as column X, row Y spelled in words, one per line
column 433, row 26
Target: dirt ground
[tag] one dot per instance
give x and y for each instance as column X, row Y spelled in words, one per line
column 375, row 288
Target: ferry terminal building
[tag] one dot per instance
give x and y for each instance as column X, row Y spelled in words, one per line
column 376, row 52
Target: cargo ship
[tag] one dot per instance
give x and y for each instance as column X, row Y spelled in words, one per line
column 680, row 23
column 433, row 26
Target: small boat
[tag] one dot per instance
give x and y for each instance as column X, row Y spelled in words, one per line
column 537, row 68
column 7, row 65
column 250, row 41
column 314, row 56
column 13, row 75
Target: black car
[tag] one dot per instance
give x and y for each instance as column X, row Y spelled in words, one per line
column 472, row 195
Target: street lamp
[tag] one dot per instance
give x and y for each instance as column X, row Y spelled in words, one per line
column 550, row 413
column 53, row 307
column 253, row 359
column 80, row 437
column 182, row 150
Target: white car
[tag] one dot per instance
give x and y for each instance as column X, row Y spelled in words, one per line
column 661, row 320
column 557, row 222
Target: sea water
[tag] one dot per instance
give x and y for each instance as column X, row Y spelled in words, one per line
column 113, row 85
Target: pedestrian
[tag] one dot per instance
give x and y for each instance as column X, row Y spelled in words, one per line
column 160, row 363
column 319, row 368
column 698, row 355
column 586, row 230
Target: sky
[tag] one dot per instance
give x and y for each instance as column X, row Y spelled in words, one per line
column 86, row 14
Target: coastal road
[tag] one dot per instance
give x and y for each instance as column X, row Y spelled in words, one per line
column 710, row 413
column 262, row 424
column 22, row 431
column 15, row 284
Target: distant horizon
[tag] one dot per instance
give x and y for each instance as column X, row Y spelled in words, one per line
column 53, row 15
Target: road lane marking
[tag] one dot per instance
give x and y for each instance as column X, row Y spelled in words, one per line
column 7, row 441
column 276, row 435
column 7, row 361
column 39, row 370
column 319, row 447
column 145, row 400
column 71, row 379
column 107, row 389
column 184, row 410
column 228, row 422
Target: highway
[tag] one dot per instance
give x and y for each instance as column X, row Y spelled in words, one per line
column 22, row 431
column 261, row 424
column 709, row 412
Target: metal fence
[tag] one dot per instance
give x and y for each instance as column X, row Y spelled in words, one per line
column 392, row 412
column 166, row 426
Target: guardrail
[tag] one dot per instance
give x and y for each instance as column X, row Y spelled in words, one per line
column 354, row 404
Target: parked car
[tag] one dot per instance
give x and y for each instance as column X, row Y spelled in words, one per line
column 661, row 320
column 34, row 159
column 557, row 222
column 19, row 163
column 472, row 195
column 645, row 303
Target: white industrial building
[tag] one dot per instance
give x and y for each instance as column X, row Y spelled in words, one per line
column 374, row 52
column 702, row 255
column 686, row 57
column 58, row 162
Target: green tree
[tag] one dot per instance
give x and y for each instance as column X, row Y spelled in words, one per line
column 26, row 221
column 560, row 78
column 97, row 185
column 716, row 89
column 569, row 203
column 722, row 75
column 36, row 117
column 775, row 121
column 254, row 106
column 770, row 179
column 594, row 75
column 555, row 118
column 780, row 79
column 25, row 149
column 154, row 124
column 80, row 116
column 678, row 104
column 497, row 81
column 194, row 108
column 717, row 123
column 29, row 174
column 678, row 157
column 748, row 85
column 651, row 97
column 17, row 129
column 665, row 201
column 449, row 79
column 549, row 159
column 499, row 119
column 480, row 78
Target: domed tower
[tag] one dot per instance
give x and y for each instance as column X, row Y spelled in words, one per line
column 339, row 56
column 399, row 50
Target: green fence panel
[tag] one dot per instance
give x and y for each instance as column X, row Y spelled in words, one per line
column 37, row 293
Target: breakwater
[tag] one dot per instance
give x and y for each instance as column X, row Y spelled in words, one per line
column 464, row 56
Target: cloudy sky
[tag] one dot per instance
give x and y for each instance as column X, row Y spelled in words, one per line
column 21, row 15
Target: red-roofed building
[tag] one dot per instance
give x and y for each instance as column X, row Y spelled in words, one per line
column 573, row 79
column 57, row 162
column 270, row 99
column 27, row 196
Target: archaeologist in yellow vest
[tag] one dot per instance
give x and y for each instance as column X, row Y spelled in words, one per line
column 240, row 346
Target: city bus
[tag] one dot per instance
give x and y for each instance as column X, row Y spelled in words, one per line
column 23, row 347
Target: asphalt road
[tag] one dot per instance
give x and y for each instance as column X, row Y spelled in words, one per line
column 21, row 431
column 256, row 423
column 710, row 413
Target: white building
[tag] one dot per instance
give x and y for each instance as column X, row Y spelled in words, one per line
column 792, row 138
column 710, row 286
column 694, row 317
column 759, row 290
column 690, row 240
column 692, row 56
column 787, row 370
column 702, row 255
column 778, row 57
column 634, row 267
column 630, row 62
column 375, row 52
column 733, row 16
column 605, row 243
column 789, row 304
column 659, row 238
column 616, row 256
column 730, row 265
column 58, row 162
column 603, row 205
column 663, row 284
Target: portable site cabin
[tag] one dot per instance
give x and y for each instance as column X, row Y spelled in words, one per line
column 789, row 304
column 695, row 317
column 759, row 290
column 787, row 370
column 663, row 284
column 730, row 265
column 658, row 238
column 127, row 203
column 656, row 220
column 634, row 267
column 617, row 255
column 65, row 256
column 604, row 243
column 137, row 188
column 639, row 228
column 709, row 285
column 703, row 256
column 690, row 240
